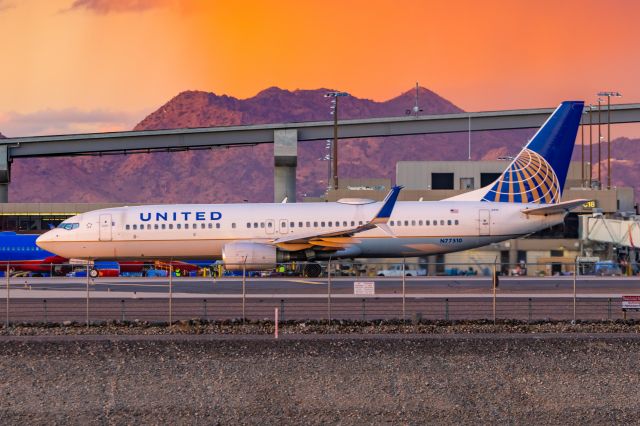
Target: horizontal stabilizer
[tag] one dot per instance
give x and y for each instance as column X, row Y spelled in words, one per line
column 563, row 207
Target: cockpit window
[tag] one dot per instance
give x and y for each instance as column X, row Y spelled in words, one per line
column 69, row 226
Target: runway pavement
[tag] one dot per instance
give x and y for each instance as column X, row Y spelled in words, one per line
column 433, row 298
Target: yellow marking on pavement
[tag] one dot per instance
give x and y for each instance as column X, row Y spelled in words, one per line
column 134, row 284
column 306, row 282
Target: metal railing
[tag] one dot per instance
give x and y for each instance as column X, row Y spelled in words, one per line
column 343, row 291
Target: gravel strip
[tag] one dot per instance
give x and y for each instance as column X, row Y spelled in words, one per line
column 468, row 379
column 318, row 327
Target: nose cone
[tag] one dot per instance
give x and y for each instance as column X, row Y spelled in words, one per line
column 46, row 240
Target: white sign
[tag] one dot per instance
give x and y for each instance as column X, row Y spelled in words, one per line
column 592, row 259
column 631, row 302
column 364, row 288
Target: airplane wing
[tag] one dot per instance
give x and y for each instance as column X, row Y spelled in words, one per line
column 563, row 207
column 341, row 238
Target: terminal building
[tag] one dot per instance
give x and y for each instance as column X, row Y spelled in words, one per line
column 552, row 251
column 549, row 251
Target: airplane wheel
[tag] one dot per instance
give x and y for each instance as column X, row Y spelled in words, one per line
column 312, row 270
column 93, row 273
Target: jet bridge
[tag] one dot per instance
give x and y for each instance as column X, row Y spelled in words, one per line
column 620, row 232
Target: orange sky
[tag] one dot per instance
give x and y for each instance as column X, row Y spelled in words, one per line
column 86, row 65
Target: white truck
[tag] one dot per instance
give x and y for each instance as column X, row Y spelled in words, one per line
column 396, row 271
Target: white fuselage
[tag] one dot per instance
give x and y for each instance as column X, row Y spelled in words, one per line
column 193, row 231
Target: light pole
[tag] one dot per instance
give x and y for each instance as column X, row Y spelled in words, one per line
column 590, row 147
column 599, row 147
column 609, row 95
column 334, row 107
column 327, row 157
column 581, row 148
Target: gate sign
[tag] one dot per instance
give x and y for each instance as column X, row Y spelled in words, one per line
column 364, row 288
column 631, row 302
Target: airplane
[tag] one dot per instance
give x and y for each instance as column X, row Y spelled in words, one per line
column 20, row 252
column 523, row 200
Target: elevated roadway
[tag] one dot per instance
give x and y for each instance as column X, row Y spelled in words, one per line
column 285, row 137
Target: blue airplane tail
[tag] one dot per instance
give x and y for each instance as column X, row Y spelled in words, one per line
column 538, row 173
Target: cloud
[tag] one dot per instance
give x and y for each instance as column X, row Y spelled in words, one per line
column 5, row 4
column 66, row 121
column 104, row 7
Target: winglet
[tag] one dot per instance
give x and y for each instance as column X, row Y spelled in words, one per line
column 387, row 207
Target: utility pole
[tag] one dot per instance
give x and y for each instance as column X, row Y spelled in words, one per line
column 609, row 95
column 334, row 148
column 581, row 149
column 599, row 146
column 590, row 147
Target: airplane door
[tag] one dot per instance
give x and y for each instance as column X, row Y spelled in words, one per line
column 269, row 226
column 485, row 222
column 283, row 229
column 105, row 227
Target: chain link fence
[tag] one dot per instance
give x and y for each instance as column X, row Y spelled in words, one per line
column 412, row 291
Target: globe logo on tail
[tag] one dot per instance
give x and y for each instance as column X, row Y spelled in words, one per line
column 529, row 179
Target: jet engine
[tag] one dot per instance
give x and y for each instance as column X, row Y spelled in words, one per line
column 257, row 256
column 252, row 256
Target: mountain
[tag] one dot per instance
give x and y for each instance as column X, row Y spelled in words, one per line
column 246, row 173
column 2, row 136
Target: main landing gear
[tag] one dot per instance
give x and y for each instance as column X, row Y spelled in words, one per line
column 312, row 270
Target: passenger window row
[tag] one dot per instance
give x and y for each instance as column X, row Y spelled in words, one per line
column 433, row 222
column 308, row 224
column 25, row 248
column 149, row 227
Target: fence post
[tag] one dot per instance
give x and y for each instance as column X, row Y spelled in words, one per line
column 404, row 316
column 170, row 292
column 575, row 275
column 529, row 316
column 495, row 277
column 88, row 278
column 282, row 309
column 329, row 289
column 609, row 310
column 8, row 292
column 446, row 309
column 44, row 305
column 206, row 317
column 244, row 289
column 276, row 323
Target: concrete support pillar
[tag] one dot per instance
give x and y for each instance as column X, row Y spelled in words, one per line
column 5, row 173
column 432, row 269
column 513, row 254
column 285, row 154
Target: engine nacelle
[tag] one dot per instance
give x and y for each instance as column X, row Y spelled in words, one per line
column 251, row 256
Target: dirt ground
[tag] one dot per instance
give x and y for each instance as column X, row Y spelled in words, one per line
column 312, row 379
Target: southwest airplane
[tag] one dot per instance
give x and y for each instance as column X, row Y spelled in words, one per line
column 523, row 200
column 19, row 251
